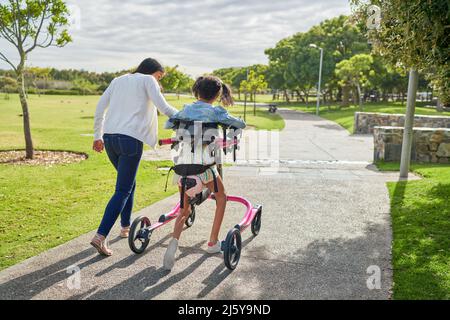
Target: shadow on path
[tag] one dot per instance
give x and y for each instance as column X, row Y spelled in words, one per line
column 326, row 269
column 146, row 284
column 138, row 286
column 128, row 261
column 27, row 286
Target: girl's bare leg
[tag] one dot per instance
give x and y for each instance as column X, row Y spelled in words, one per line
column 169, row 257
column 221, row 203
column 182, row 217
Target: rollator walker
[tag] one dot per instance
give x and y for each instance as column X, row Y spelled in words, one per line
column 142, row 229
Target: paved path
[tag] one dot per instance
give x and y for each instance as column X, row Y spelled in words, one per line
column 325, row 221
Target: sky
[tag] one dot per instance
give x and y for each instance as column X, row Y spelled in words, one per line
column 197, row 35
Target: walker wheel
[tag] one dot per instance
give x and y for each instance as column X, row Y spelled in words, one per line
column 139, row 236
column 190, row 220
column 232, row 248
column 256, row 222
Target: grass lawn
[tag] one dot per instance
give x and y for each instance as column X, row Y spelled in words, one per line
column 42, row 207
column 346, row 116
column 421, row 228
column 262, row 120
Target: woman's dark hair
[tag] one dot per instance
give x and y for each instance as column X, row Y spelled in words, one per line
column 149, row 66
column 211, row 87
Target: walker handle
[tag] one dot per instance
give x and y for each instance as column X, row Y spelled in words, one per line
column 163, row 142
column 221, row 142
column 228, row 143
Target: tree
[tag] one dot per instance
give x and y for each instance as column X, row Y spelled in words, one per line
column 8, row 85
column 175, row 80
column 387, row 78
column 84, row 86
column 186, row 83
column 275, row 78
column 414, row 35
column 246, row 89
column 235, row 75
column 341, row 39
column 239, row 75
column 27, row 25
column 279, row 58
column 302, row 69
column 171, row 79
column 294, row 66
column 355, row 72
column 253, row 85
column 35, row 74
column 226, row 74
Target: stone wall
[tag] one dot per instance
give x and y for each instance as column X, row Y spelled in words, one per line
column 430, row 145
column 366, row 121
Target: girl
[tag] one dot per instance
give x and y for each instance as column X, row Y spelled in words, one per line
column 130, row 121
column 207, row 90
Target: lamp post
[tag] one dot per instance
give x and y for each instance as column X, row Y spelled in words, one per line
column 312, row 45
column 409, row 123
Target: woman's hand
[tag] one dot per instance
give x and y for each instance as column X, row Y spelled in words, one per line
column 98, row 146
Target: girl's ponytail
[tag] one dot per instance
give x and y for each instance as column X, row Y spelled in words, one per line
column 227, row 97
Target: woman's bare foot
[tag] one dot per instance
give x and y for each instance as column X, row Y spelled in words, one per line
column 99, row 243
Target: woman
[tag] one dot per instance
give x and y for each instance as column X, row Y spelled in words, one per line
column 131, row 121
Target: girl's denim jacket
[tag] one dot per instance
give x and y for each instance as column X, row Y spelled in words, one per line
column 207, row 113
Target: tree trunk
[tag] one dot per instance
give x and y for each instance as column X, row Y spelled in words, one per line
column 26, row 117
column 254, row 104
column 354, row 96
column 345, row 96
column 339, row 95
column 45, row 85
column 439, row 105
column 300, row 96
column 37, row 89
column 286, row 96
column 245, row 107
column 329, row 95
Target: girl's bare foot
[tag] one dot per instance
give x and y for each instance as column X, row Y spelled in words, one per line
column 99, row 243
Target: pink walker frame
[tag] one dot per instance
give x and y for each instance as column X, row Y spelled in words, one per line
column 231, row 246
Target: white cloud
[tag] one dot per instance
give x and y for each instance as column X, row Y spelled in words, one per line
column 199, row 35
